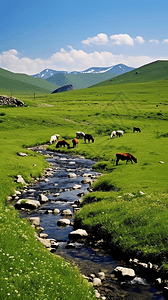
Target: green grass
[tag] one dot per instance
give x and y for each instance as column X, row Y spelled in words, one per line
column 14, row 82
column 138, row 223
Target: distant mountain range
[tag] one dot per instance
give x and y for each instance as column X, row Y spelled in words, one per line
column 83, row 79
column 117, row 69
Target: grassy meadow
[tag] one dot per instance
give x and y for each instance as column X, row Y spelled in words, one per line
column 129, row 202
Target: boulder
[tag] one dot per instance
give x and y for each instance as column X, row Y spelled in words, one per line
column 5, row 100
column 66, row 212
column 63, row 222
column 35, row 221
column 124, row 273
column 72, row 175
column 87, row 181
column 20, row 179
column 43, row 198
column 27, row 203
column 21, row 154
column 64, row 88
column 77, row 186
column 96, row 282
column 56, row 211
column 78, row 234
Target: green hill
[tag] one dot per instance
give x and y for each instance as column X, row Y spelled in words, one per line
column 157, row 70
column 13, row 82
column 79, row 81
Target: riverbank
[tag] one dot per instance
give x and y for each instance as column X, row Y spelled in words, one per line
column 110, row 287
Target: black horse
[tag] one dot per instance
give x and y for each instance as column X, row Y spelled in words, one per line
column 88, row 137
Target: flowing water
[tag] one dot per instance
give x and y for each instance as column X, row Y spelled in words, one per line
column 59, row 189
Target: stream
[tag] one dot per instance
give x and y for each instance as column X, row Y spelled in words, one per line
column 59, row 189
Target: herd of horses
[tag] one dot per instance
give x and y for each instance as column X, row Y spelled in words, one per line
column 88, row 137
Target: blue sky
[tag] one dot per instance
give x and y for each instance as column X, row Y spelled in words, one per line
column 75, row 35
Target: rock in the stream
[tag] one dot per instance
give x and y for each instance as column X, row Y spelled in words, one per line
column 77, row 234
column 27, row 203
column 72, row 175
column 66, row 212
column 56, row 211
column 63, row 222
column 87, row 181
column 43, row 198
column 77, row 186
column 124, row 273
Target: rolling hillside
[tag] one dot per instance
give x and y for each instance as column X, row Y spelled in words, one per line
column 23, row 83
column 157, row 70
column 79, row 81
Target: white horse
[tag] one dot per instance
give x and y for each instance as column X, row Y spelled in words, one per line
column 54, row 138
column 113, row 134
column 119, row 133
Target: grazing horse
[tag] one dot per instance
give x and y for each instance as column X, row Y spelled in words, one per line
column 80, row 134
column 62, row 143
column 54, row 138
column 119, row 133
column 88, row 137
column 136, row 129
column 125, row 156
column 75, row 142
column 113, row 134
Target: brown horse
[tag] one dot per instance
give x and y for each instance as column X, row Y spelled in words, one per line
column 125, row 156
column 62, row 143
column 75, row 142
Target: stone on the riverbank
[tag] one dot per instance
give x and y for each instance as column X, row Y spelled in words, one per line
column 97, row 282
column 35, row 221
column 97, row 295
column 124, row 273
column 101, row 275
column 77, row 234
column 43, row 235
column 63, row 222
column 72, row 175
column 45, row 242
column 27, row 203
column 20, row 179
column 54, row 245
column 66, row 212
column 43, row 198
column 21, row 154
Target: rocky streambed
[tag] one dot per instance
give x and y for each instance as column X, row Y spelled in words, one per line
column 50, row 204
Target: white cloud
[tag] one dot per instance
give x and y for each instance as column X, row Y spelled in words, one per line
column 120, row 39
column 154, row 41
column 165, row 41
column 139, row 40
column 70, row 60
column 100, row 39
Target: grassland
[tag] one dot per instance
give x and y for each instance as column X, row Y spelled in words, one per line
column 25, row 84
column 134, row 223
